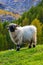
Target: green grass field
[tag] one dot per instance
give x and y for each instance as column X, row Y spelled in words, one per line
column 25, row 56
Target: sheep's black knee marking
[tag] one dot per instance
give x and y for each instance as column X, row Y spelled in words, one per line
column 18, row 47
column 29, row 46
column 33, row 45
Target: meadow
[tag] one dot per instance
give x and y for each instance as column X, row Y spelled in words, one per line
column 25, row 56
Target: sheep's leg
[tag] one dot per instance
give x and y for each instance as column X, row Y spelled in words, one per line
column 18, row 43
column 18, row 47
column 34, row 44
column 34, row 39
column 30, row 44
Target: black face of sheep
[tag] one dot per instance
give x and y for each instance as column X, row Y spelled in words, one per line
column 12, row 27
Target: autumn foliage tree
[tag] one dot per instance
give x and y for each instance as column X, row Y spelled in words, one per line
column 38, row 24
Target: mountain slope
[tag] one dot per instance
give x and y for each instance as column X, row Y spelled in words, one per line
column 34, row 12
column 15, row 7
column 6, row 15
column 18, row 6
column 25, row 56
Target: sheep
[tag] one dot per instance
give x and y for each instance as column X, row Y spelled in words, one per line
column 23, row 34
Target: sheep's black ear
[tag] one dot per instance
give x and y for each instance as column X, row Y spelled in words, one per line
column 15, row 26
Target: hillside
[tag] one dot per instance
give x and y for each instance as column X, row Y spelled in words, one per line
column 12, row 9
column 6, row 14
column 32, row 13
column 25, row 56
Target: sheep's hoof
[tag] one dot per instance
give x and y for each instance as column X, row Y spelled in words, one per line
column 33, row 45
column 18, row 49
column 29, row 46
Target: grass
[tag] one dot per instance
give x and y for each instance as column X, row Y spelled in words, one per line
column 25, row 56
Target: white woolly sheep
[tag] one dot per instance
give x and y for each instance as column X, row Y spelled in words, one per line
column 23, row 34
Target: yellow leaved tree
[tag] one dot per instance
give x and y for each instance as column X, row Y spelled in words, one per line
column 38, row 24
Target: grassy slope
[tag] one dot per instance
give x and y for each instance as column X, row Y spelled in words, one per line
column 25, row 56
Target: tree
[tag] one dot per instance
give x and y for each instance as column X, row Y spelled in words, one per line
column 42, row 34
column 25, row 22
column 1, row 27
column 38, row 24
